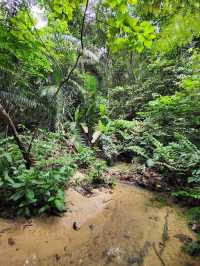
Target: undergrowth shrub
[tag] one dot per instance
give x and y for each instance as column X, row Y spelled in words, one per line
column 120, row 137
column 179, row 112
column 28, row 192
column 34, row 191
column 192, row 248
column 180, row 155
column 179, row 162
column 194, row 215
column 37, row 190
column 96, row 172
column 84, row 155
column 190, row 194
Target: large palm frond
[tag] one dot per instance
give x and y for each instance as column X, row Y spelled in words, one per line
column 18, row 100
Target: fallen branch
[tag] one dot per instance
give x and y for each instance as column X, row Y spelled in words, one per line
column 158, row 255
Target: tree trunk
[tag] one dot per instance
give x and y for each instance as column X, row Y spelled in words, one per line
column 6, row 119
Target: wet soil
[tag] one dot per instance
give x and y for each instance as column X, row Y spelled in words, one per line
column 119, row 228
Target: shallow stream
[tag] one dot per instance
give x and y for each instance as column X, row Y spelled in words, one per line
column 123, row 227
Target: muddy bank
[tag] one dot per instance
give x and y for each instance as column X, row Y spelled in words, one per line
column 122, row 228
column 141, row 176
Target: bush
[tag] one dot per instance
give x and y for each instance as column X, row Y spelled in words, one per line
column 188, row 193
column 35, row 191
column 179, row 161
column 84, row 156
column 194, row 215
column 179, row 112
column 180, row 155
column 39, row 189
column 193, row 248
column 121, row 137
column 98, row 174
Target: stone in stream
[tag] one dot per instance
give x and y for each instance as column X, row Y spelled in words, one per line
column 32, row 260
column 127, row 235
column 57, row 257
column 91, row 226
column 114, row 254
column 134, row 259
column 11, row 241
column 76, row 226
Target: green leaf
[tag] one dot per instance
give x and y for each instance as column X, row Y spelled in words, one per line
column 150, row 163
column 148, row 43
column 59, row 204
column 17, row 185
column 43, row 209
column 30, row 195
column 16, row 196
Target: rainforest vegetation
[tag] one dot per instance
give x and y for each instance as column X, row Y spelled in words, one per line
column 84, row 84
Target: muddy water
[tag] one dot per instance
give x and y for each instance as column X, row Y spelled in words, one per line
column 122, row 228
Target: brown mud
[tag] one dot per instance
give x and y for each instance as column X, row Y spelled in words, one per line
column 119, row 228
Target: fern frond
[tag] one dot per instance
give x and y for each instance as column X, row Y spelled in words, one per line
column 18, row 100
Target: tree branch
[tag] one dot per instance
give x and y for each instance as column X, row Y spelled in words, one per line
column 6, row 119
column 66, row 79
column 80, row 53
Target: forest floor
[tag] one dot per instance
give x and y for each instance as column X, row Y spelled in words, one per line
column 123, row 226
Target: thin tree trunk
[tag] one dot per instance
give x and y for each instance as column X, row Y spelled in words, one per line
column 6, row 119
